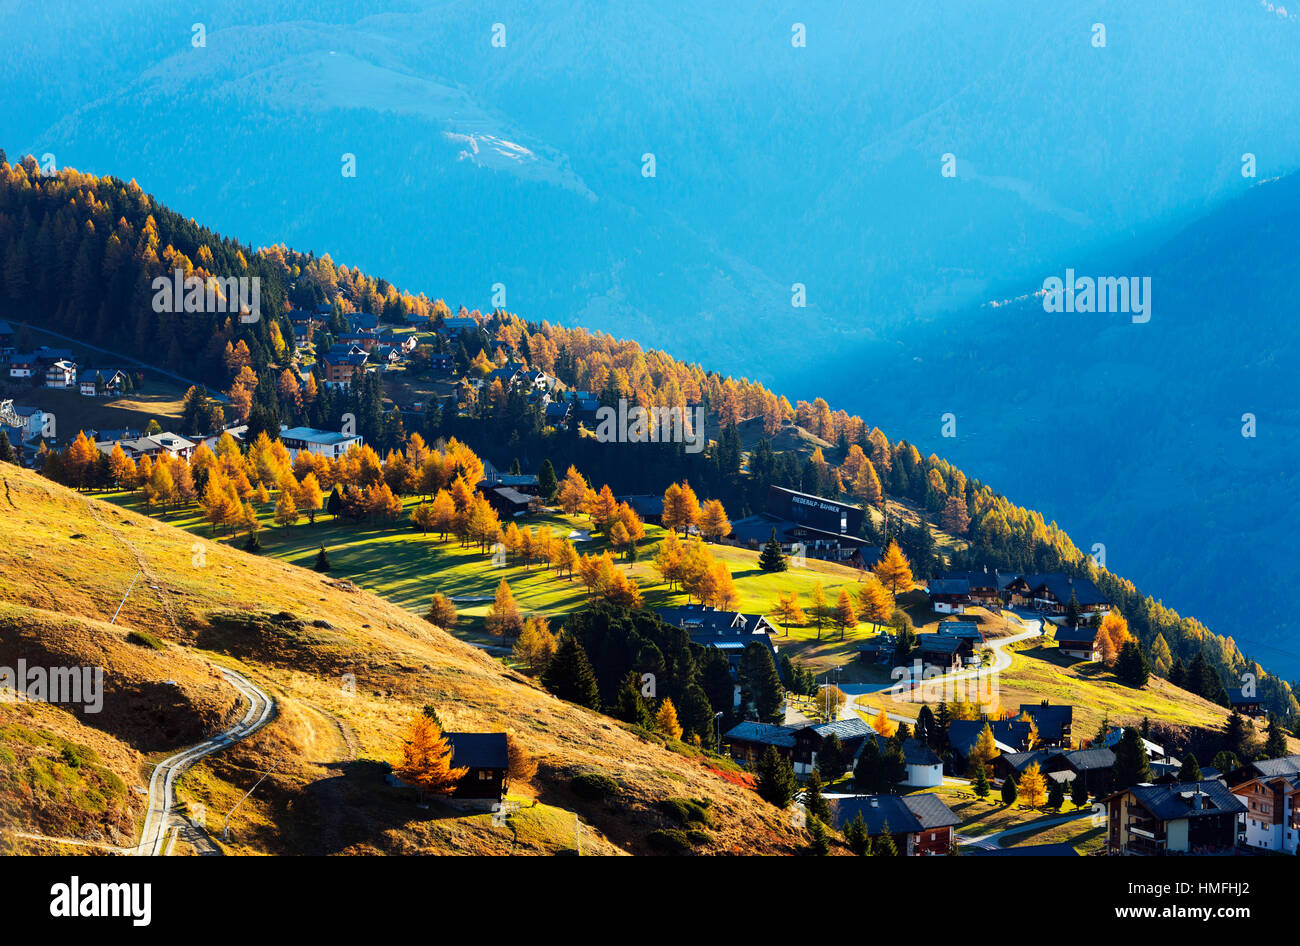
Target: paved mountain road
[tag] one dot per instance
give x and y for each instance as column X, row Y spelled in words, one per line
column 161, row 796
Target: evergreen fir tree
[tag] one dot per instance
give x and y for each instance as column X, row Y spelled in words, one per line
column 1078, row 793
column 869, row 773
column 322, row 560
column 1055, row 794
column 1132, row 767
column 981, row 781
column 775, row 778
column 1275, row 746
column 813, row 801
column 773, row 559
column 629, row 705
column 547, row 482
column 1010, row 792
column 1131, row 666
column 819, row 846
column 1190, row 771
column 856, row 837
column 831, row 763
column 569, row 676
column 884, row 845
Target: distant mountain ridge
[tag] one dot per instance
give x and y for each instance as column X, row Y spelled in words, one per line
column 1161, row 403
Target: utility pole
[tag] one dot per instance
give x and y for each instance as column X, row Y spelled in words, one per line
column 125, row 596
column 225, row 828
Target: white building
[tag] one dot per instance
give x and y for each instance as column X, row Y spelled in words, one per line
column 326, row 443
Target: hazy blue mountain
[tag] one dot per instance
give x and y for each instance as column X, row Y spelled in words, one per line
column 777, row 165
column 1131, row 435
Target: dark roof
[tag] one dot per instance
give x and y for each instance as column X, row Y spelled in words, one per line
column 1006, row 578
column 963, row 733
column 1083, row 760
column 479, row 750
column 513, row 495
column 1062, row 586
column 948, row 586
column 645, row 505
column 855, row 728
column 1177, row 801
column 1078, row 635
column 1235, row 696
column 700, row 617
column 1060, row 849
column 915, row 752
column 939, row 643
column 1287, row 765
column 762, row 733
column 1051, row 719
column 975, row 579
column 1022, row 760
column 758, row 528
column 904, row 814
column 964, row 629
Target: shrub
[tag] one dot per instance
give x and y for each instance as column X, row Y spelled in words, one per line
column 593, row 786
column 670, row 841
column 685, row 811
column 144, row 639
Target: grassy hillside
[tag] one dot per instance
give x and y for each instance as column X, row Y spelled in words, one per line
column 348, row 670
column 406, row 567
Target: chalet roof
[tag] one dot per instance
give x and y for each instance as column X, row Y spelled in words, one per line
column 1238, row 698
column 170, row 441
column 915, row 752
column 313, row 435
column 1077, row 635
column 1051, row 719
column 855, row 728
column 948, row 586
column 1084, row 760
column 479, row 750
column 1287, row 765
column 979, row 578
column 763, row 733
column 938, row 643
column 1178, row 801
column 1019, row 761
column 1062, row 585
column 963, row 733
column 513, row 495
column 904, row 814
column 964, row 629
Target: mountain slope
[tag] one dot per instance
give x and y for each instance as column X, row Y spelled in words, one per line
column 348, row 671
column 820, row 165
column 1131, row 435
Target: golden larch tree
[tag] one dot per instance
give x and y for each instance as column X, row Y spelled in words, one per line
column 426, row 759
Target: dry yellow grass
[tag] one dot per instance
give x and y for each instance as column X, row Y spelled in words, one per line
column 348, row 671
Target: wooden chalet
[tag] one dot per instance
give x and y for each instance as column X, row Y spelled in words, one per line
column 487, row 756
column 1271, row 821
column 1251, row 705
column 1078, row 642
column 1183, row 818
column 920, row 825
column 942, row 652
column 1053, row 722
column 747, row 741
